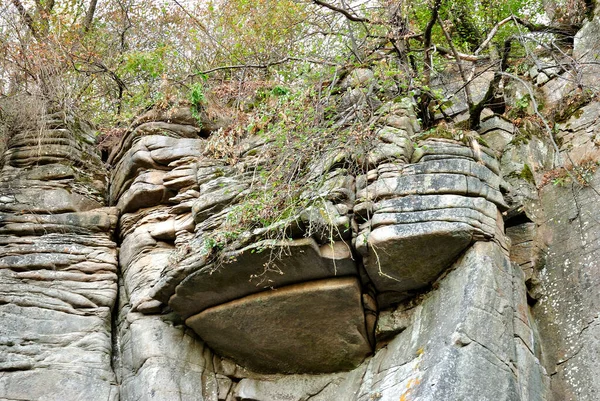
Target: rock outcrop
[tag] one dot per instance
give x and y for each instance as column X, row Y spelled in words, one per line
column 308, row 303
column 444, row 268
column 153, row 183
column 58, row 266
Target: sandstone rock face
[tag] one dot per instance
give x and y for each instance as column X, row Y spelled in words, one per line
column 152, row 184
column 442, row 202
column 58, row 267
column 270, row 327
column 444, row 270
column 441, row 350
column 567, row 310
column 251, row 273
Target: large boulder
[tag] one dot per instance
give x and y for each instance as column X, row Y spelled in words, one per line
column 313, row 327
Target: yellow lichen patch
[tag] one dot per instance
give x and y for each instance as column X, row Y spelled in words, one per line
column 410, row 385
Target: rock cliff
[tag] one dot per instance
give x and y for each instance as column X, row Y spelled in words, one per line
column 447, row 268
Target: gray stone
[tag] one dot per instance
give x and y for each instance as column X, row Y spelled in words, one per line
column 357, row 78
column 585, row 51
column 496, row 123
column 289, row 387
column 431, row 184
column 264, row 331
column 497, row 139
column 259, row 267
column 567, row 312
column 396, row 263
column 446, row 353
column 58, row 272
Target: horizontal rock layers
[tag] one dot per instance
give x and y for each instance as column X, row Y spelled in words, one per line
column 58, row 267
column 418, row 217
column 153, row 183
column 441, row 197
column 395, row 284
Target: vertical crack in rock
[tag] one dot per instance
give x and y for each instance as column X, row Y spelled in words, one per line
column 417, row 239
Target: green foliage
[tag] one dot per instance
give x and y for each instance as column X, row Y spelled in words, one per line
column 280, row 91
column 145, row 63
column 197, row 99
column 286, row 181
column 526, row 174
column 560, row 181
column 523, row 102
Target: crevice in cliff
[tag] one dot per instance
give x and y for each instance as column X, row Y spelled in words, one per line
column 115, row 360
column 312, row 395
column 516, row 219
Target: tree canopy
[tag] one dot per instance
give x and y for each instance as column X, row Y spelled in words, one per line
column 109, row 59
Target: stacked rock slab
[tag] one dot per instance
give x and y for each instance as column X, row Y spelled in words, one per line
column 422, row 209
column 267, row 297
column 472, row 338
column 153, row 185
column 58, row 266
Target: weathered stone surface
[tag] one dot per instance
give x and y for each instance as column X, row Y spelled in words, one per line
column 580, row 135
column 159, row 358
column 452, row 87
column 149, row 153
column 585, row 50
column 264, row 331
column 58, row 270
column 567, row 311
column 524, row 251
column 497, row 133
column 396, row 261
column 258, row 267
column 444, row 200
column 523, row 167
column 446, row 352
column 298, row 387
column 358, row 77
column 154, row 184
column 441, row 350
column 420, row 231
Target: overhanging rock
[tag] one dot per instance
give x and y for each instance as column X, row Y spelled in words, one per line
column 313, row 327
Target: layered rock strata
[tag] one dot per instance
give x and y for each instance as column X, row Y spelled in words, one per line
column 153, row 184
column 441, row 197
column 397, row 283
column 58, row 266
column 266, row 297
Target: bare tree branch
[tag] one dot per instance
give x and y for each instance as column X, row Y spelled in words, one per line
column 89, row 15
column 27, row 18
column 202, row 27
column 459, row 63
column 491, row 35
column 566, row 30
column 476, row 109
column 263, row 66
column 459, row 55
column 342, row 11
